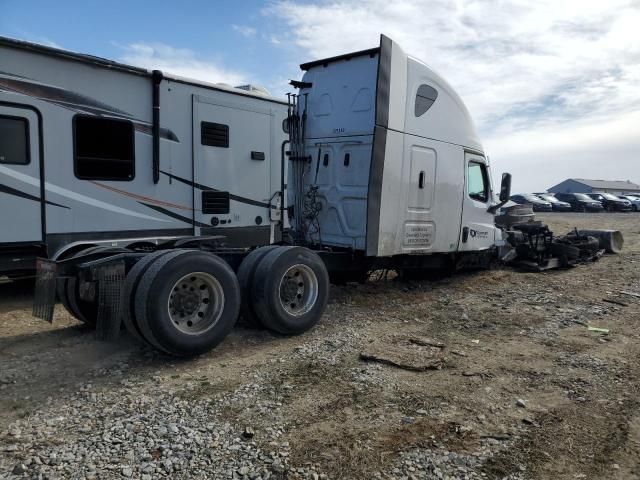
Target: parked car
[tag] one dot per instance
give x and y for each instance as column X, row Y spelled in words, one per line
column 611, row 203
column 635, row 201
column 557, row 205
column 537, row 203
column 580, row 202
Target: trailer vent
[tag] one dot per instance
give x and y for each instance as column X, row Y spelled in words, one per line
column 215, row 203
column 214, row 134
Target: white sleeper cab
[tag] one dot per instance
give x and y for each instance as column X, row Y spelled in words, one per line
column 174, row 207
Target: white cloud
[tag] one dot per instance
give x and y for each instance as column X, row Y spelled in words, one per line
column 182, row 62
column 598, row 148
column 553, row 76
column 244, row 30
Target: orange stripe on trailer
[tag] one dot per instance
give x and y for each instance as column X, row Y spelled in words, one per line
column 142, row 197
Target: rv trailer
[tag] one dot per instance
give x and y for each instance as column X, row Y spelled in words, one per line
column 174, row 206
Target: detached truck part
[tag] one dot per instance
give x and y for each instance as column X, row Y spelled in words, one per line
column 174, row 207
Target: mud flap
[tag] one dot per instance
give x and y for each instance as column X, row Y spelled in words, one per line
column 44, row 299
column 110, row 280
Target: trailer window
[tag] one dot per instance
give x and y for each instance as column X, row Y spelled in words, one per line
column 14, row 140
column 103, row 148
column 478, row 182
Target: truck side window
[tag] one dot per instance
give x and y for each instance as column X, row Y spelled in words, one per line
column 103, row 148
column 14, row 140
column 425, row 97
column 478, row 182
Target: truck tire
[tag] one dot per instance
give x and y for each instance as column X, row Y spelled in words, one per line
column 128, row 294
column 290, row 290
column 187, row 302
column 246, row 273
column 69, row 295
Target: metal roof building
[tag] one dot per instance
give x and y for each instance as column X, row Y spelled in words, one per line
column 582, row 185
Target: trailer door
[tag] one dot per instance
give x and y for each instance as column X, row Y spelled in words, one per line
column 21, row 192
column 232, row 160
column 478, row 228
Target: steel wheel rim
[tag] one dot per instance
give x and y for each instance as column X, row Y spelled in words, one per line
column 196, row 303
column 298, row 290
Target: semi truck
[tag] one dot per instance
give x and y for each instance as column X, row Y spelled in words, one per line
column 173, row 206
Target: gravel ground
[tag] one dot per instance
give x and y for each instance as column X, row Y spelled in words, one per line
column 492, row 374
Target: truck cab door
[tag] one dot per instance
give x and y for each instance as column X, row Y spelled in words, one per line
column 477, row 230
column 21, row 193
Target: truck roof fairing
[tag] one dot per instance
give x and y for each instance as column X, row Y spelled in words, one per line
column 399, row 76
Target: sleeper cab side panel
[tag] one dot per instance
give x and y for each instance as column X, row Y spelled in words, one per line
column 447, row 119
column 413, row 219
column 432, row 213
column 418, row 231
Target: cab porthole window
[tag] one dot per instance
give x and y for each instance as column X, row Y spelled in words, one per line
column 425, row 97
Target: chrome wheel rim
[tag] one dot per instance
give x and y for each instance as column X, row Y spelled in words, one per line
column 298, row 290
column 196, row 303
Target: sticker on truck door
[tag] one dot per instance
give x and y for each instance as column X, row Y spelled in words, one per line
column 418, row 235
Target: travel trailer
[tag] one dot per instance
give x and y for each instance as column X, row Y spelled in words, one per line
column 175, row 206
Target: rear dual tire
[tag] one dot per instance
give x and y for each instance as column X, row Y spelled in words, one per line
column 182, row 302
column 246, row 274
column 289, row 290
column 185, row 302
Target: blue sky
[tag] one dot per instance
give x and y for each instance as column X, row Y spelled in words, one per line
column 233, row 35
column 553, row 85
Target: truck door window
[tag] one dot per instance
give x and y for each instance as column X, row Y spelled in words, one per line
column 14, row 140
column 103, row 148
column 478, row 182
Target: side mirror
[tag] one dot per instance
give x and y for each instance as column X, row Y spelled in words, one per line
column 505, row 187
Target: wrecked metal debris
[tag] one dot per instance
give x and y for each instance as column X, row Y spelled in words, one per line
column 531, row 246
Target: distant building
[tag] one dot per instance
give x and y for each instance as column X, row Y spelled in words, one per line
column 581, row 185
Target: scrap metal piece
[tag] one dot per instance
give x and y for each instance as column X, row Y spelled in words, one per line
column 110, row 280
column 45, row 289
column 611, row 240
